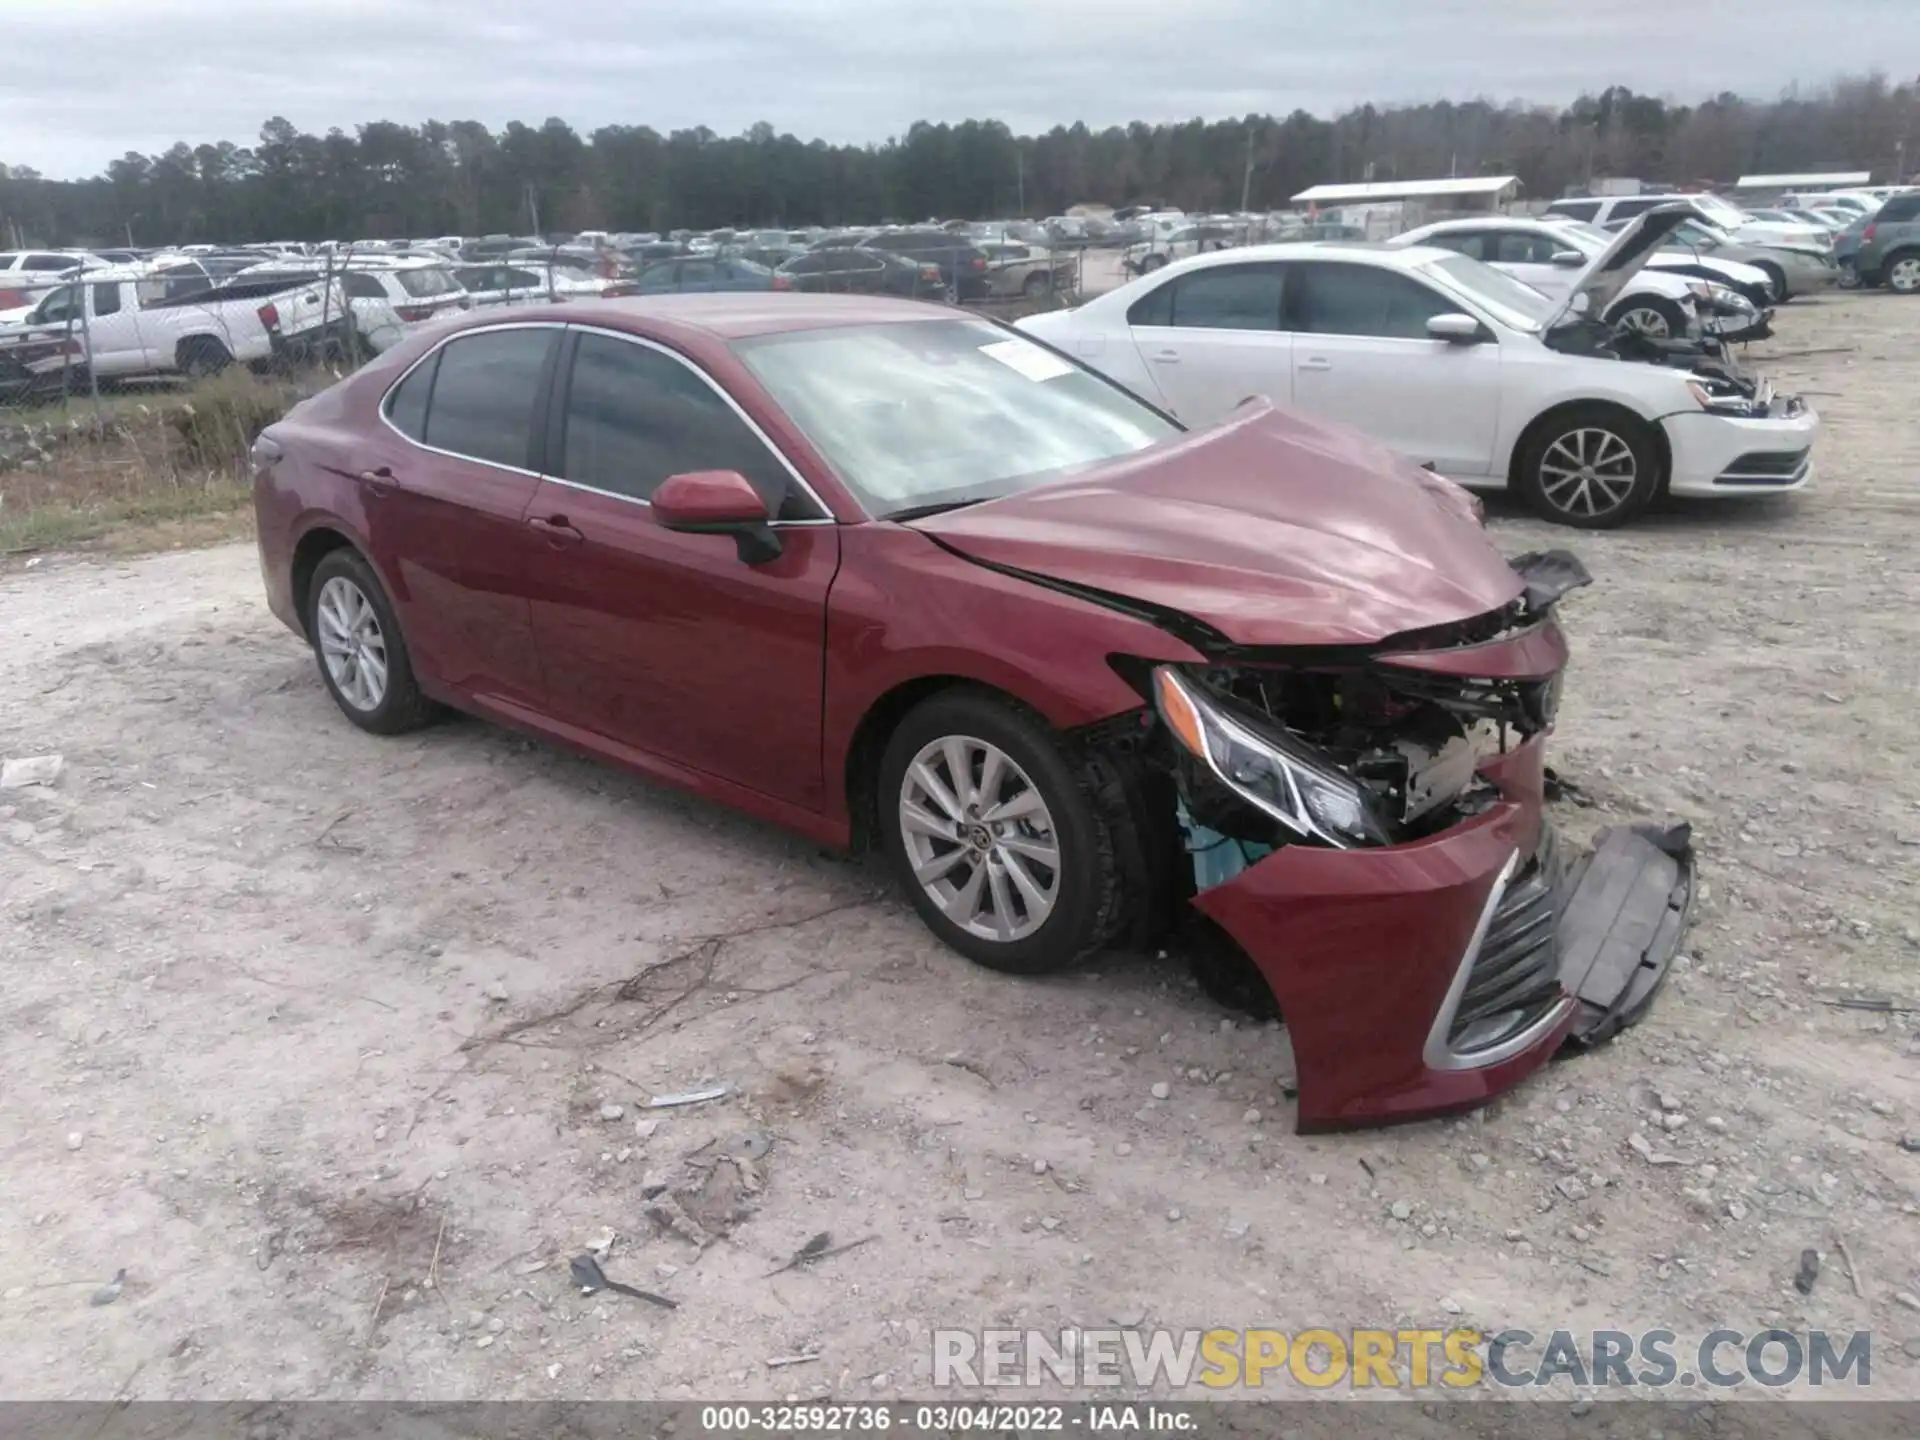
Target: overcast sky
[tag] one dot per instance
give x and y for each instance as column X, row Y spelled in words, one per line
column 87, row 80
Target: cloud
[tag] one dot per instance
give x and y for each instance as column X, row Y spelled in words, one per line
column 86, row 82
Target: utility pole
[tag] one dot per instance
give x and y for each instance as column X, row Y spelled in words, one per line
column 1246, row 175
column 1020, row 178
column 533, row 211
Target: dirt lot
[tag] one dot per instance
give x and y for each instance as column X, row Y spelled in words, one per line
column 317, row 1036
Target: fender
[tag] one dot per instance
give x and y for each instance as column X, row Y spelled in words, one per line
column 904, row 609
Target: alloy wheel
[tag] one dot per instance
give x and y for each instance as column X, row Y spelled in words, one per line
column 1904, row 274
column 980, row 838
column 1588, row 473
column 1646, row 321
column 352, row 646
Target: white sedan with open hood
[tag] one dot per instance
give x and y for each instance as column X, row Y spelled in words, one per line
column 1455, row 365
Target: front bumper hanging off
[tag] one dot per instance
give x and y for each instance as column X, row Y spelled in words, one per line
column 1422, row 979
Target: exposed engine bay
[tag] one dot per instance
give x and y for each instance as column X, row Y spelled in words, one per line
column 1354, row 748
column 1720, row 385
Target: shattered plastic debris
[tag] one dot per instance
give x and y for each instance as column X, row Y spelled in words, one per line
column 1809, row 1271
column 31, row 770
column 588, row 1275
column 689, row 1097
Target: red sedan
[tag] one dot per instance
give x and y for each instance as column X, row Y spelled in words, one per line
column 896, row 576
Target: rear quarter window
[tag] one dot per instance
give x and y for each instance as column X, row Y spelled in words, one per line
column 484, row 393
column 407, row 401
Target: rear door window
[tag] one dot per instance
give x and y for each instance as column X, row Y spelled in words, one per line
column 1524, row 247
column 1474, row 243
column 1229, row 297
column 1575, row 209
column 484, row 394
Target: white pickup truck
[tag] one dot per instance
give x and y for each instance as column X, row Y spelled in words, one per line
column 132, row 327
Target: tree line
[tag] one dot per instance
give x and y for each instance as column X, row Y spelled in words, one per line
column 460, row 178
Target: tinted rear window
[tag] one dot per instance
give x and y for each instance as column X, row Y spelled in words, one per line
column 484, row 393
column 425, row 284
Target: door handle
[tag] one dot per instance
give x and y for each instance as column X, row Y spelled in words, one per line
column 1166, row 357
column 378, row 483
column 559, row 534
column 1316, row 362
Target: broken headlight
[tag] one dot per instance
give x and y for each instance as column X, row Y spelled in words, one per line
column 1276, row 773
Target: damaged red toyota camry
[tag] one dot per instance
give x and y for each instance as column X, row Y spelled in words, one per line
column 895, row 576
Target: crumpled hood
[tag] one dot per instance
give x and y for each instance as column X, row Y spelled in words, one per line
column 1272, row 529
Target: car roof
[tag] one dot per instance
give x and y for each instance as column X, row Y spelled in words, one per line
column 1395, row 257
column 737, row 315
column 1495, row 222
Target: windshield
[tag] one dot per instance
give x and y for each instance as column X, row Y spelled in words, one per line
column 1697, row 235
column 1517, row 306
column 1587, row 238
column 424, row 284
column 1716, row 208
column 945, row 412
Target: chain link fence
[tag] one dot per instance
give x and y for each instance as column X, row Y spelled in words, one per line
column 124, row 321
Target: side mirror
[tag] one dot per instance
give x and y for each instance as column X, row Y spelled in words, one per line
column 1569, row 259
column 718, row 502
column 1456, row 329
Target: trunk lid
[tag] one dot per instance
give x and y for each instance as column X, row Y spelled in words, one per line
column 1271, row 529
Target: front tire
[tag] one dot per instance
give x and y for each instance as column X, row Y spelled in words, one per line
column 1592, row 467
column 361, row 652
column 1038, row 285
column 1653, row 316
column 1777, row 278
column 992, row 832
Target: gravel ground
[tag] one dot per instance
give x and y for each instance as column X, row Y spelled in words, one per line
column 337, row 1045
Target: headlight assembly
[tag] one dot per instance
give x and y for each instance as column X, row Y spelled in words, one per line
column 1276, row 774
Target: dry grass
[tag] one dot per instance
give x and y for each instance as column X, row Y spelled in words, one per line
column 152, row 471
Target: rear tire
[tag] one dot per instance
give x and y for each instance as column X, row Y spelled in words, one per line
column 1593, row 467
column 201, row 356
column 987, row 886
column 1849, row 275
column 1902, row 272
column 1152, row 263
column 361, row 653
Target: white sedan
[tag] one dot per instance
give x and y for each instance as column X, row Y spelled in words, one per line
column 1550, row 254
column 1454, row 365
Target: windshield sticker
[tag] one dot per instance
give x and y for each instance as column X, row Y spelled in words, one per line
column 1028, row 359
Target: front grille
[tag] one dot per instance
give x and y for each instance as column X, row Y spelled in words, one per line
column 1766, row 467
column 1515, row 978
